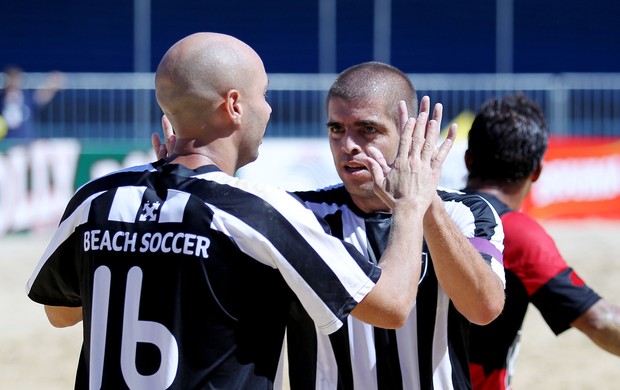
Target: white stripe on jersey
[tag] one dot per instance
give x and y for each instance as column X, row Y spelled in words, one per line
column 126, row 204
column 128, row 200
column 407, row 337
column 65, row 229
column 173, row 208
column 327, row 368
column 442, row 366
column 363, row 356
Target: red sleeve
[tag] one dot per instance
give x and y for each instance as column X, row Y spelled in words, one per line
column 529, row 252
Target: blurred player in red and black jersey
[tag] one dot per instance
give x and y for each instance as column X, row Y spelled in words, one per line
column 507, row 143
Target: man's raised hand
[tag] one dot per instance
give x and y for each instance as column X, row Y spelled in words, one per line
column 414, row 175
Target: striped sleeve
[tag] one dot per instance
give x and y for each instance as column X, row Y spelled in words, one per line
column 480, row 223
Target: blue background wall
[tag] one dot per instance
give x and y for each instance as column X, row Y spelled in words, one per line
column 427, row 37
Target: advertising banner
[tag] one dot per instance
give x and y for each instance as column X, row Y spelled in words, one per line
column 580, row 179
column 37, row 179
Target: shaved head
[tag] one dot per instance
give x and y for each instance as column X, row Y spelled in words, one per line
column 376, row 81
column 212, row 88
column 197, row 71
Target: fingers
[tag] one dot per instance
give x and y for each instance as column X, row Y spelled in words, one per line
column 425, row 104
column 377, row 156
column 432, row 130
column 374, row 168
column 379, row 169
column 447, row 144
column 170, row 142
column 405, row 124
column 415, row 137
column 379, row 179
column 419, row 134
column 158, row 148
column 169, row 137
column 167, row 127
column 429, row 141
column 438, row 112
column 163, row 150
column 403, row 115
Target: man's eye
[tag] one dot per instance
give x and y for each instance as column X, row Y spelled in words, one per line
column 370, row 130
column 334, row 129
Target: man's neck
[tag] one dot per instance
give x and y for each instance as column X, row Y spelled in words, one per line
column 370, row 205
column 513, row 197
column 192, row 154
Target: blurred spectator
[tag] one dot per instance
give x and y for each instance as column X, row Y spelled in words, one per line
column 18, row 106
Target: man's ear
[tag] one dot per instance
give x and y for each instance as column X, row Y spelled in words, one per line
column 536, row 173
column 232, row 105
column 467, row 159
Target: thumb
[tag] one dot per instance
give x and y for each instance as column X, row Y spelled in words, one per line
column 379, row 169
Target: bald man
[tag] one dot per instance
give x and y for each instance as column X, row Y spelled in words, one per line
column 183, row 274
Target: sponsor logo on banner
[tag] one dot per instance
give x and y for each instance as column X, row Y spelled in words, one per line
column 37, row 179
column 580, row 179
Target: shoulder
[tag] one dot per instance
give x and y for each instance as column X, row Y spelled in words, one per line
column 270, row 195
column 328, row 200
column 472, row 201
column 529, row 246
column 519, row 226
column 470, row 212
column 331, row 194
column 103, row 184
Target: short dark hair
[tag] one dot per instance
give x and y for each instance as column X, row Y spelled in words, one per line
column 372, row 79
column 507, row 140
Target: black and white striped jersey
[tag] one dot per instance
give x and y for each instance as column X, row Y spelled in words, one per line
column 430, row 351
column 186, row 277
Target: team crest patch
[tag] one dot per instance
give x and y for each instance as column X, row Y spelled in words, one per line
column 149, row 211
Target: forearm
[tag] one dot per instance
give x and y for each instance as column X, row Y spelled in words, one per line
column 601, row 323
column 471, row 284
column 62, row 316
column 389, row 303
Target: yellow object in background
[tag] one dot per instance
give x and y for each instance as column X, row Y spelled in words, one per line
column 3, row 127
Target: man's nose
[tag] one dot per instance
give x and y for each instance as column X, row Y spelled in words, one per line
column 350, row 145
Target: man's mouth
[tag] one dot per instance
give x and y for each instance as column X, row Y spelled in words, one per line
column 354, row 168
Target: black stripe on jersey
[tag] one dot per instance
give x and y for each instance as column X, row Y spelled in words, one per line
column 426, row 307
column 389, row 375
column 559, row 314
column 330, row 195
column 497, row 204
column 301, row 336
column 151, row 206
column 342, row 353
column 497, row 338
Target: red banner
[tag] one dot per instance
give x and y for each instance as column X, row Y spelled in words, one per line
column 580, row 179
